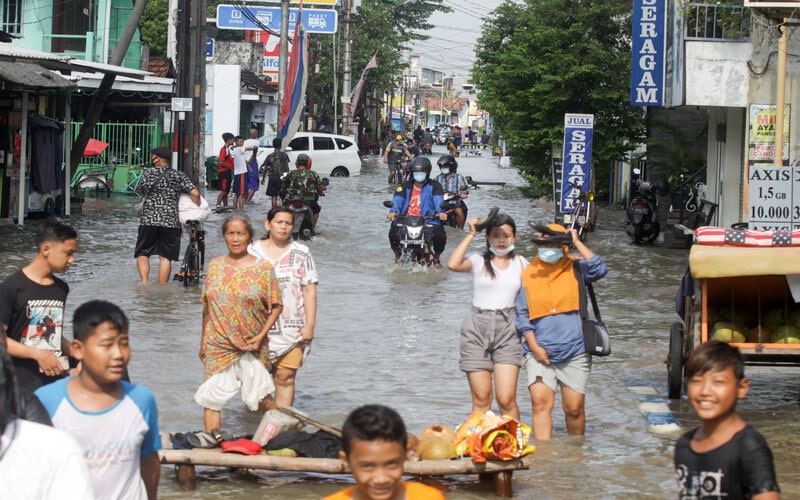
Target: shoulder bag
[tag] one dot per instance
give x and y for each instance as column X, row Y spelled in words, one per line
column 595, row 333
column 139, row 207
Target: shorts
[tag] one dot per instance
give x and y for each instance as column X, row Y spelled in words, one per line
column 252, row 176
column 314, row 206
column 225, row 181
column 246, row 373
column 156, row 240
column 292, row 359
column 240, row 184
column 489, row 337
column 274, row 186
column 573, row 372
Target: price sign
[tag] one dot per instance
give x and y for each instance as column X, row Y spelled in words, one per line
column 774, row 198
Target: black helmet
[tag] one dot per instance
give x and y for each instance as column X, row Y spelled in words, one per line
column 448, row 161
column 421, row 164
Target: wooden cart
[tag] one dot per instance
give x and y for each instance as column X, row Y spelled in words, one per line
column 733, row 278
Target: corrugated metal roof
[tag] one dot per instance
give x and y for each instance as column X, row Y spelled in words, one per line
column 109, row 68
column 14, row 52
column 29, row 76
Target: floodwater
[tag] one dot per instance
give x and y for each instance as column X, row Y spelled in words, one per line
column 390, row 335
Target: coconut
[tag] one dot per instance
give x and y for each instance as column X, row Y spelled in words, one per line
column 786, row 335
column 436, row 448
column 438, row 430
column 738, row 315
column 776, row 317
column 759, row 335
column 728, row 335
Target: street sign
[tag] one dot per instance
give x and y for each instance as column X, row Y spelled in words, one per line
column 209, row 49
column 181, row 104
column 307, row 2
column 232, row 17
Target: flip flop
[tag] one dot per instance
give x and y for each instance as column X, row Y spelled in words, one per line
column 202, row 440
column 484, row 221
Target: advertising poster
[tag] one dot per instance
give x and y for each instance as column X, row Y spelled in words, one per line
column 576, row 174
column 761, row 146
column 773, row 191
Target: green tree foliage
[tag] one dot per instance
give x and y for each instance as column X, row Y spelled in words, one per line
column 539, row 59
column 153, row 26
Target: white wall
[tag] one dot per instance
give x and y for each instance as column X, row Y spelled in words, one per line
column 223, row 85
column 717, row 73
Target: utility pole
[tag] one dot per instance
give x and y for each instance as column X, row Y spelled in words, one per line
column 347, row 63
column 283, row 57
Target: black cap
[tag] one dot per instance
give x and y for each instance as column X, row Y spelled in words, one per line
column 162, row 152
column 302, row 159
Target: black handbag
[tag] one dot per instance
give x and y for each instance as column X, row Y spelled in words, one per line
column 595, row 332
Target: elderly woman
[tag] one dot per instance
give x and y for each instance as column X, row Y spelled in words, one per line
column 549, row 320
column 241, row 302
column 290, row 341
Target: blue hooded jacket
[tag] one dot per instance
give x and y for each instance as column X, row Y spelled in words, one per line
column 430, row 199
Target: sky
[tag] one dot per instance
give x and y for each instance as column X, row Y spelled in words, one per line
column 450, row 47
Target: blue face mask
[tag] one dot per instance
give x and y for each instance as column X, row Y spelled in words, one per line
column 445, row 171
column 507, row 250
column 420, row 176
column 550, row 255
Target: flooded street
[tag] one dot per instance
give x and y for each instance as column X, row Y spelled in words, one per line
column 390, row 335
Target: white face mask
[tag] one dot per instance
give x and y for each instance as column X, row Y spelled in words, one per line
column 550, row 255
column 419, row 176
column 445, row 171
column 507, row 250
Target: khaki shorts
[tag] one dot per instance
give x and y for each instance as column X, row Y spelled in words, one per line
column 246, row 374
column 574, row 372
column 292, row 359
column 489, row 337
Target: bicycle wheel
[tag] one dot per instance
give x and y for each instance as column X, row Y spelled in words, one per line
column 194, row 268
column 183, row 274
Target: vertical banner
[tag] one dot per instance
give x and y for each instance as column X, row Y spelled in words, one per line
column 294, row 92
column 577, row 153
column 647, row 55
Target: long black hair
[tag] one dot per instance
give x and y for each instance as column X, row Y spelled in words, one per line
column 275, row 211
column 496, row 221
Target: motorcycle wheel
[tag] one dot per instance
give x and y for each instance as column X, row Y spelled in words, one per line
column 675, row 361
column 655, row 232
column 637, row 234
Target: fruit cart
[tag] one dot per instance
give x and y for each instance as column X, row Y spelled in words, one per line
column 738, row 289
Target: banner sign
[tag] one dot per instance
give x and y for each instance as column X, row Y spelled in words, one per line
column 647, row 55
column 577, row 152
column 232, row 17
column 774, row 198
column 762, row 134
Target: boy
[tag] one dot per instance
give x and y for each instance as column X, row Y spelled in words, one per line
column 225, row 169
column 114, row 422
column 374, row 443
column 725, row 458
column 32, row 308
column 276, row 164
column 239, row 173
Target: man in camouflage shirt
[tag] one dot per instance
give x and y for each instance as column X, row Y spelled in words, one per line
column 305, row 185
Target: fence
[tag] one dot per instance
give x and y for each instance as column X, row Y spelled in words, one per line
column 128, row 143
column 714, row 21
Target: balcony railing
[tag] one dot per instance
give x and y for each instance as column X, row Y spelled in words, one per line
column 716, row 21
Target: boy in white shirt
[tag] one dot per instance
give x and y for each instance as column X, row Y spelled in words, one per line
column 239, row 173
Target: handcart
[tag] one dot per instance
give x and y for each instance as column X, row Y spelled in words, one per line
column 738, row 288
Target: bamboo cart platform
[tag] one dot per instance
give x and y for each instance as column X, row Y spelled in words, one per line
column 187, row 460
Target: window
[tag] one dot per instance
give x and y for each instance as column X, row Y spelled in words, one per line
column 322, row 143
column 299, row 144
column 343, row 144
column 11, row 16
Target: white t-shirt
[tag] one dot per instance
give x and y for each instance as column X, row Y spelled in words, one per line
column 239, row 161
column 498, row 292
column 249, row 143
column 294, row 270
column 42, row 463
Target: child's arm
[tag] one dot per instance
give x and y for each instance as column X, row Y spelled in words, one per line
column 151, row 471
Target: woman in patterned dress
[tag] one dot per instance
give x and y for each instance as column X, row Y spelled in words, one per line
column 290, row 339
column 241, row 302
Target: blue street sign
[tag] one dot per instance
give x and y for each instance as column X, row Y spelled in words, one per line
column 231, row 17
column 209, row 49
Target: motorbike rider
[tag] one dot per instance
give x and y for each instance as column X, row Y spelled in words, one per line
column 417, row 135
column 412, row 148
column 427, row 138
column 395, row 150
column 454, row 185
column 421, row 196
column 305, row 185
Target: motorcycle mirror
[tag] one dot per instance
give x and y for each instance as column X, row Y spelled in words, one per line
column 637, row 170
column 445, row 205
column 388, row 204
column 325, row 181
column 590, row 196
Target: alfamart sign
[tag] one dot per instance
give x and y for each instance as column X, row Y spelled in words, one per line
column 647, row 57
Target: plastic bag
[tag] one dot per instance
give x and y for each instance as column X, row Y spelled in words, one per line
column 486, row 436
column 187, row 210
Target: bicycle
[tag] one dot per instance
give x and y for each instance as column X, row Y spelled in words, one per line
column 400, row 172
column 194, row 259
column 580, row 216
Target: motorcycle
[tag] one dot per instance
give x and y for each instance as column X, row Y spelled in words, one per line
column 426, row 149
column 302, row 225
column 643, row 223
column 450, row 203
column 580, row 217
column 416, row 238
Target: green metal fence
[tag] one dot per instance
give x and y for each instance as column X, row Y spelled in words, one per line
column 128, row 143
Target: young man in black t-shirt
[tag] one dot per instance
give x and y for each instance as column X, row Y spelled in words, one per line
column 32, row 304
column 725, row 458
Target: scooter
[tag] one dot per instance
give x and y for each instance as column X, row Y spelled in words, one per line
column 426, row 149
column 301, row 225
column 416, row 237
column 450, row 203
column 643, row 226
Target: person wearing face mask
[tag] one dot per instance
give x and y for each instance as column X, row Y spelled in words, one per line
column 549, row 322
column 489, row 345
column 419, row 196
column 454, row 184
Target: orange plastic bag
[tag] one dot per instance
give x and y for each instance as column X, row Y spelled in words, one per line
column 486, row 436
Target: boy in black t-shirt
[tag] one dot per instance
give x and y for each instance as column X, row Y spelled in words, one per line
column 32, row 309
column 725, row 458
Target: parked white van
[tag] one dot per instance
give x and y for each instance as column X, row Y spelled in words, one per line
column 331, row 155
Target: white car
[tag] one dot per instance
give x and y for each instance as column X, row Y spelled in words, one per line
column 331, row 155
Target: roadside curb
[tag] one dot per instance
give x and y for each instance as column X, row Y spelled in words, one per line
column 654, row 407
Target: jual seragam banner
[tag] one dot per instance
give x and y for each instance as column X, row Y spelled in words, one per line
column 576, row 174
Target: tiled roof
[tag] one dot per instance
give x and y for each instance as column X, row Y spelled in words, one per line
column 161, row 67
column 252, row 80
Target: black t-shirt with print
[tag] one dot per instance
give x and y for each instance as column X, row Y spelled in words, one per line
column 738, row 469
column 162, row 187
column 34, row 315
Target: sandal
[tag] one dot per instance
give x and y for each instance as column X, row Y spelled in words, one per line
column 202, row 440
column 220, row 436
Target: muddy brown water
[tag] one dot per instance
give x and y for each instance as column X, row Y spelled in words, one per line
column 390, row 335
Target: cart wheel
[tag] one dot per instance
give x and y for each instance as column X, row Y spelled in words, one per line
column 675, row 361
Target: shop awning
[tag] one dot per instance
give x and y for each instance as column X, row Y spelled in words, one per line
column 29, row 76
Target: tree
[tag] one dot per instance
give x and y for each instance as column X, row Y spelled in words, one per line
column 540, row 59
column 153, row 26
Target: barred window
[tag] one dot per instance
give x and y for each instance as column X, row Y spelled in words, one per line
column 11, row 16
